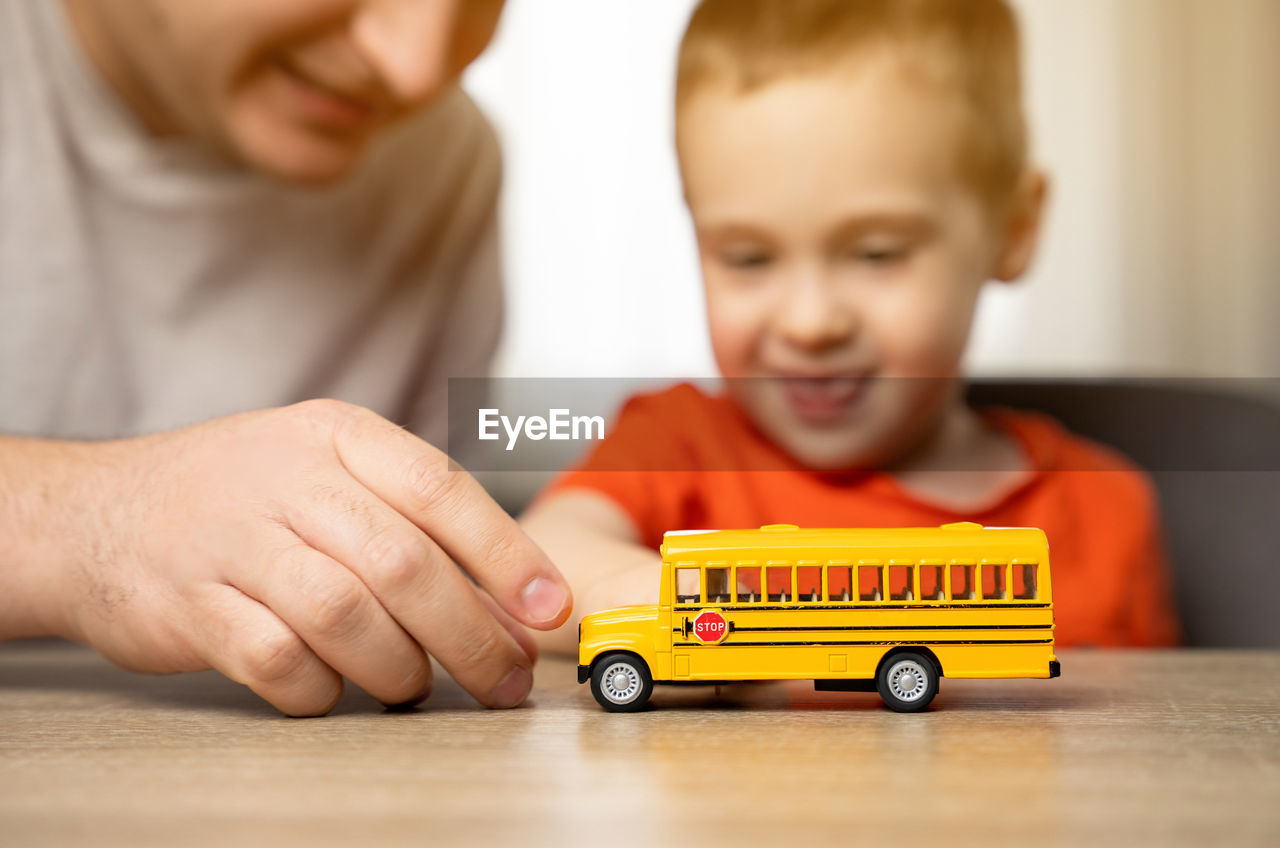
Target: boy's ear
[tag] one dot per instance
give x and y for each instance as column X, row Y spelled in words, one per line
column 1021, row 233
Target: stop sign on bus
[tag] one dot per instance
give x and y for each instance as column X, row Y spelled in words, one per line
column 710, row 626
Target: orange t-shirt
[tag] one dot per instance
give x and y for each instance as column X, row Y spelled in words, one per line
column 676, row 459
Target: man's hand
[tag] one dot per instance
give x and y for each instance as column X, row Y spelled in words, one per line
column 598, row 548
column 287, row 549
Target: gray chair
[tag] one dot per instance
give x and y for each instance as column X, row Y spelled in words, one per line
column 1213, row 451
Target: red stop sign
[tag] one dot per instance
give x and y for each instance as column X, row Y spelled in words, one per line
column 710, row 626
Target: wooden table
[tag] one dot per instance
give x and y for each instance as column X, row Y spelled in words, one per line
column 1173, row 748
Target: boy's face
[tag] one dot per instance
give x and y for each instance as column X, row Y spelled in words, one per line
column 841, row 250
column 295, row 88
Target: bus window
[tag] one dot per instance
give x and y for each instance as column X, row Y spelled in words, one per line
column 900, row 583
column 748, row 584
column 809, row 583
column 1024, row 581
column 993, row 582
column 931, row 583
column 869, row 588
column 687, row 585
column 779, row 577
column 839, row 583
column 962, row 583
column 718, row 585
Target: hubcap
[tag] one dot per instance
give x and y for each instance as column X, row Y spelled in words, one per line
column 907, row 680
column 620, row 683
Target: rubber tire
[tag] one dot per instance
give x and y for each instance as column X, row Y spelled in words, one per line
column 891, row 700
column 636, row 704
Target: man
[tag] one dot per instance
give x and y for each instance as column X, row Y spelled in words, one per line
column 207, row 208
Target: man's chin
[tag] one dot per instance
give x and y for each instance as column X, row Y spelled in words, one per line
column 298, row 156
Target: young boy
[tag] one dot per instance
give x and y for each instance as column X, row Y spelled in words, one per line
column 856, row 172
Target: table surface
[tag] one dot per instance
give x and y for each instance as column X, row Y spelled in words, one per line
column 1167, row 747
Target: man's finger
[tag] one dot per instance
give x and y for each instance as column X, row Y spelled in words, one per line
column 415, row 581
column 250, row 644
column 340, row 620
column 454, row 510
column 515, row 628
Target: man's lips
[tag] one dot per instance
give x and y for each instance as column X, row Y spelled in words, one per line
column 323, row 105
column 822, row 400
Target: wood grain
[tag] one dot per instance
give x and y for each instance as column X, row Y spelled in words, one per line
column 1173, row 748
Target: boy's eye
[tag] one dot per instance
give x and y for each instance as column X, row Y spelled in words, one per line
column 879, row 255
column 746, row 259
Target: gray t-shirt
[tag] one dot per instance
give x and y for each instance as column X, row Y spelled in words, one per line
column 147, row 284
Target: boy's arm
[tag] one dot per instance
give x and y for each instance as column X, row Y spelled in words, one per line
column 595, row 545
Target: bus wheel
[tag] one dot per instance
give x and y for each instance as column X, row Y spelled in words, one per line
column 621, row 683
column 907, row 682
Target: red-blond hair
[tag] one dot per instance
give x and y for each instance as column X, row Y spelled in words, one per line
column 961, row 48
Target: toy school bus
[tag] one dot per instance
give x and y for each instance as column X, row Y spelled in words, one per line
column 875, row 610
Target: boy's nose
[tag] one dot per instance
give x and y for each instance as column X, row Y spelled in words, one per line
column 409, row 43
column 812, row 315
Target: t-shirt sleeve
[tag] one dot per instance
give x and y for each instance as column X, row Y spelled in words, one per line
column 1112, row 583
column 1125, row 564
column 1152, row 620
column 642, row 466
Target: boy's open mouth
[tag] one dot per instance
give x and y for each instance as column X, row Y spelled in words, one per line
column 822, row 400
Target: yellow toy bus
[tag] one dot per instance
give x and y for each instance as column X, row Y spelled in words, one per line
column 888, row 610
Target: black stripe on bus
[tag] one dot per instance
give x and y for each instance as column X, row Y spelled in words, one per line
column 739, row 628
column 869, row 642
column 849, row 607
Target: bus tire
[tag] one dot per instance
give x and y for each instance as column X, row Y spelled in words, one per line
column 907, row 682
column 621, row 682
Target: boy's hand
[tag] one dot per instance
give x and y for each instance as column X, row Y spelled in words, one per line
column 291, row 547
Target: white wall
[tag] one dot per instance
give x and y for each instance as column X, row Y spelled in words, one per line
column 1201, row 197
column 600, row 259
column 599, row 253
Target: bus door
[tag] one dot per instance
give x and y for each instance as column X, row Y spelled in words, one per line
column 701, row 621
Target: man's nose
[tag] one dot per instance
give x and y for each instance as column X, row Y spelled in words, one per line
column 813, row 316
column 409, row 43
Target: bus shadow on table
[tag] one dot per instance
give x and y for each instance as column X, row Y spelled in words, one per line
column 65, row 669
column 799, row 695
